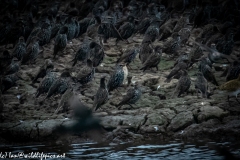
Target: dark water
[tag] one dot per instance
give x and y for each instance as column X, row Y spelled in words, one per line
column 173, row 150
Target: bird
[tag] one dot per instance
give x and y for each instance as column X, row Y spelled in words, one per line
column 233, row 71
column 152, row 32
column 180, row 66
column 153, row 60
column 101, row 96
column 60, row 41
column 32, row 51
column 232, row 87
column 65, row 100
column 9, row 81
column 45, row 83
column 207, row 73
column 13, row 67
column 182, row 22
column 129, row 55
column 201, row 85
column 172, row 44
column 195, row 54
column 183, row 84
column 43, row 70
column 86, row 73
column 116, row 77
column 97, row 55
column 145, row 51
column 70, row 23
column 59, row 85
column 20, row 49
column 132, row 96
column 44, row 34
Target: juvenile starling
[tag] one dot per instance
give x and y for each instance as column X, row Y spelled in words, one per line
column 46, row 83
column 60, row 40
column 86, row 73
column 32, row 51
column 233, row 71
column 20, row 49
column 101, row 96
column 207, row 73
column 116, row 78
column 232, row 87
column 65, row 100
column 153, row 60
column 183, row 85
column 201, row 85
column 83, row 51
column 180, row 66
column 46, row 67
column 59, row 85
column 129, row 55
column 132, row 96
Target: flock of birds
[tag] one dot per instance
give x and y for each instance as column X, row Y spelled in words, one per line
column 212, row 27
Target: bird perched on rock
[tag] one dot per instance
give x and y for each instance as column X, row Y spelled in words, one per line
column 207, row 73
column 101, row 96
column 65, row 100
column 44, row 34
column 32, row 51
column 97, row 55
column 60, row 40
column 153, row 60
column 152, row 32
column 182, row 22
column 20, row 49
column 144, row 52
column 46, row 83
column 126, row 30
column 132, row 96
column 83, row 51
column 84, row 23
column 70, row 23
column 86, row 73
column 232, row 87
column 9, row 81
column 201, row 85
column 194, row 55
column 171, row 45
column 59, row 85
column 56, row 26
column 116, row 78
column 180, row 66
column 13, row 67
column 183, row 85
column 43, row 70
column 128, row 56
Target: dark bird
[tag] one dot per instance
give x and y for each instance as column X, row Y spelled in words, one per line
column 201, row 85
column 178, row 67
column 60, row 41
column 145, row 51
column 44, row 34
column 97, row 54
column 152, row 32
column 153, row 60
column 84, row 23
column 171, row 45
column 13, row 67
column 56, row 26
column 132, row 96
column 195, row 54
column 167, row 29
column 59, row 85
column 128, row 56
column 9, row 81
column 232, row 87
column 83, row 51
column 207, row 73
column 20, row 49
column 33, row 33
column 32, row 51
column 65, row 101
column 86, row 73
column 233, row 71
column 116, row 78
column 182, row 22
column 43, row 70
column 183, row 85
column 101, row 96
column 126, row 30
column 46, row 83
column 70, row 23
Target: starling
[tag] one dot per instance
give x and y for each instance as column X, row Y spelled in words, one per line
column 116, row 78
column 32, row 51
column 182, row 22
column 9, row 81
column 207, row 73
column 101, row 96
column 97, row 54
column 84, row 23
column 126, row 30
column 145, row 51
column 232, row 87
column 43, row 70
column 132, row 96
column 167, row 29
column 56, row 27
column 184, row 35
column 153, row 60
column 128, row 56
column 70, row 23
column 172, row 45
column 46, row 83
column 44, row 34
column 59, row 85
column 86, row 73
column 204, row 61
column 60, row 40
column 20, row 49
column 34, row 33
column 92, row 30
column 233, row 71
column 195, row 54
column 183, row 85
column 65, row 100
column 201, row 85
column 152, row 32
column 13, row 68
column 180, row 66
column 143, row 25
column 83, row 51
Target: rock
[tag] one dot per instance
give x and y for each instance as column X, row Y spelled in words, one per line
column 181, row 121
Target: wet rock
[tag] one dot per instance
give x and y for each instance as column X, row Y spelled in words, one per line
column 181, row 121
